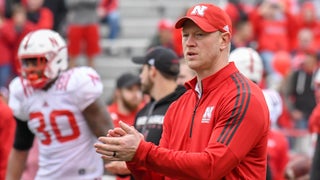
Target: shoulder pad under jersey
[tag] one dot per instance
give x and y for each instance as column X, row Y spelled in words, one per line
column 85, row 84
column 18, row 92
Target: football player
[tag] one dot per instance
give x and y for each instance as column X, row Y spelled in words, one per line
column 61, row 107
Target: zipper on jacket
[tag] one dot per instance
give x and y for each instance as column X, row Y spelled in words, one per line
column 193, row 115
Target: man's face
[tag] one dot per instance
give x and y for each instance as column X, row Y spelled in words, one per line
column 246, row 31
column 131, row 97
column 33, row 71
column 19, row 18
column 201, row 49
column 185, row 74
column 34, row 5
column 310, row 63
column 166, row 36
column 146, row 81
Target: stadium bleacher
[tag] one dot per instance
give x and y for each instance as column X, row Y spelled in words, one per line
column 139, row 19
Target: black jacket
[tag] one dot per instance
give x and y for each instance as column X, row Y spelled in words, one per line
column 149, row 119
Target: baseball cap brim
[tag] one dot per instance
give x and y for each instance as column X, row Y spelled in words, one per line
column 199, row 21
column 139, row 60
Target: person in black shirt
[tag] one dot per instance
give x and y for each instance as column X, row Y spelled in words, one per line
column 158, row 79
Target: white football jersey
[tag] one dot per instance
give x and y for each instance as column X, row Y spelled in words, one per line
column 55, row 116
column 275, row 105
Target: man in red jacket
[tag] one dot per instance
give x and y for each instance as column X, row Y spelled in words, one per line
column 7, row 128
column 218, row 129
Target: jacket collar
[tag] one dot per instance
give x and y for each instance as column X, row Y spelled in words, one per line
column 213, row 81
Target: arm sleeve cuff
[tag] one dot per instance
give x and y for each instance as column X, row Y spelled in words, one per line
column 23, row 136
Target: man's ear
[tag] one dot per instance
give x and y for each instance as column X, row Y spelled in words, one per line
column 225, row 40
column 117, row 92
column 153, row 71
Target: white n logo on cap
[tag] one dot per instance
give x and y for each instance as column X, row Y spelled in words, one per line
column 199, row 10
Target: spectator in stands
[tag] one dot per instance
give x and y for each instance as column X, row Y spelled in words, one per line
column 305, row 42
column 7, row 39
column 41, row 16
column 109, row 14
column 177, row 42
column 243, row 34
column 300, row 96
column 59, row 10
column 307, row 19
column 164, row 35
column 237, row 10
column 21, row 26
column 83, row 30
column 314, row 127
column 2, row 8
column 305, row 45
column 128, row 101
column 177, row 38
column 271, row 22
column 8, row 4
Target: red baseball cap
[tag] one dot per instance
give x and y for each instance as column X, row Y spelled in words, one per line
column 165, row 24
column 208, row 17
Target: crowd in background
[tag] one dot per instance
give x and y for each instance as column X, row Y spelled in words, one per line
column 19, row 17
column 285, row 33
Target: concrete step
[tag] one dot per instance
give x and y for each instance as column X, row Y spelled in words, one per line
column 109, row 69
column 159, row 8
column 133, row 28
column 150, row 9
column 139, row 18
column 124, row 47
column 113, row 68
column 144, row 27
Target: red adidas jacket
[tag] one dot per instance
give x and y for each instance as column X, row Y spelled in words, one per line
column 7, row 130
column 221, row 135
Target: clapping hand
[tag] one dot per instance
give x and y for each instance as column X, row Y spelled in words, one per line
column 120, row 144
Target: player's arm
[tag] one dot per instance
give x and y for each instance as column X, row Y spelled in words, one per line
column 98, row 118
column 88, row 93
column 18, row 156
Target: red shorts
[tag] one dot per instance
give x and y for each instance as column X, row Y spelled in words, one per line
column 83, row 37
